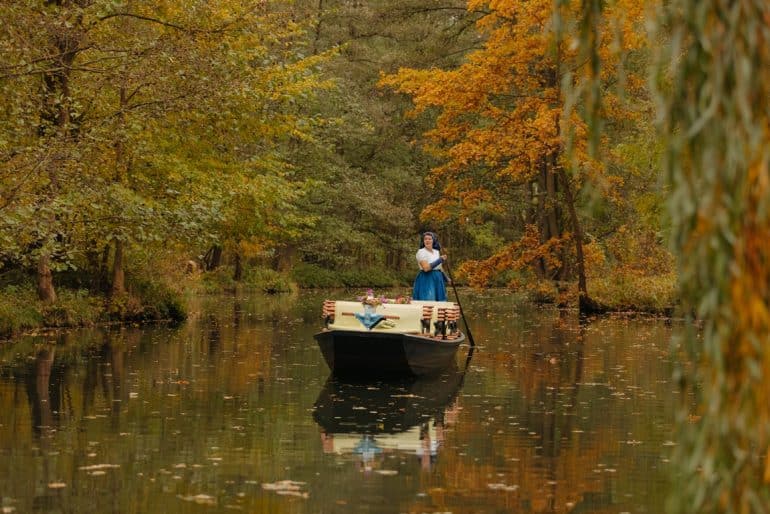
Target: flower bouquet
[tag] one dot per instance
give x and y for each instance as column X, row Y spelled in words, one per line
column 376, row 301
column 371, row 300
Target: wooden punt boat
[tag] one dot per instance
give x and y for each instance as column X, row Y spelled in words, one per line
column 418, row 338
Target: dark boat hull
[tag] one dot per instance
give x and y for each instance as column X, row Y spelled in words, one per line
column 351, row 352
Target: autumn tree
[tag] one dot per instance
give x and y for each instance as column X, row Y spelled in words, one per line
column 369, row 175
column 162, row 119
column 500, row 133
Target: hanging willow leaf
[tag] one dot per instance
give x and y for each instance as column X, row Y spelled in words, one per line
column 712, row 77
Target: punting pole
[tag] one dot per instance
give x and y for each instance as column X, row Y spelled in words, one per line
column 467, row 328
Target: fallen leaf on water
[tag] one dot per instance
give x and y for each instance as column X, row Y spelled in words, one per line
column 94, row 467
column 294, row 493
column 201, row 499
column 283, row 485
column 502, row 487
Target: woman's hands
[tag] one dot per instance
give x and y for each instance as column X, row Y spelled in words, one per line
column 431, row 265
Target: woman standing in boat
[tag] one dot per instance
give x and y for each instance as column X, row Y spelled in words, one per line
column 429, row 284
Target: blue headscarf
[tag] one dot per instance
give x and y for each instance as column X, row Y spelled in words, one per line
column 436, row 246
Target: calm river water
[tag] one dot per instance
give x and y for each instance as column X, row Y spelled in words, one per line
column 235, row 410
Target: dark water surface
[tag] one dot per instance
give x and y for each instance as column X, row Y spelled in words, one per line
column 235, row 410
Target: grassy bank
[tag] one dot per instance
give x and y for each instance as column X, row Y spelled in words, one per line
column 164, row 297
column 21, row 311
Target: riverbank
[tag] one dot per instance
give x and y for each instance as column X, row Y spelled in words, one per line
column 21, row 311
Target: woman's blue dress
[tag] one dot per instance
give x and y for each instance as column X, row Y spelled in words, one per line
column 429, row 285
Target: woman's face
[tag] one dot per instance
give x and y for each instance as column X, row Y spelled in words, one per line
column 427, row 240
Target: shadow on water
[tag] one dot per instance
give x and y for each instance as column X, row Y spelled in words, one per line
column 373, row 419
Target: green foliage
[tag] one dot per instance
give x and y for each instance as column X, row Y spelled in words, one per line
column 168, row 125
column 124, row 307
column 373, row 277
column 74, row 308
column 18, row 310
column 370, row 174
column 151, row 302
column 268, row 281
column 159, row 301
column 312, row 276
column 217, row 280
column 629, row 292
column 255, row 278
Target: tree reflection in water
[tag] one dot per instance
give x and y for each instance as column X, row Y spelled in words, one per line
column 550, row 417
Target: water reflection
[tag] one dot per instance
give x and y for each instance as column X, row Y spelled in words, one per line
column 235, row 410
column 39, row 388
column 370, row 420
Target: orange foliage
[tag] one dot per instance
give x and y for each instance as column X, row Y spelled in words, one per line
column 519, row 255
column 501, row 109
column 500, row 114
column 750, row 293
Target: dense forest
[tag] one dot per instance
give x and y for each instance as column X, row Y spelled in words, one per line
column 283, row 144
column 147, row 148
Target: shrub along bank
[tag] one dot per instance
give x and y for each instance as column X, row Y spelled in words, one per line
column 149, row 301
column 21, row 311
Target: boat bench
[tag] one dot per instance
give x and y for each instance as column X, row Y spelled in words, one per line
column 412, row 318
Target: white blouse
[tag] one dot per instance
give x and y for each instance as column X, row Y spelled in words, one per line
column 423, row 254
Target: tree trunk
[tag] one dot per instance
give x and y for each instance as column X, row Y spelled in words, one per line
column 118, row 274
column 536, row 218
column 556, row 214
column 213, row 258
column 586, row 305
column 238, row 273
column 55, row 117
column 45, row 288
column 121, row 171
column 104, row 267
column 284, row 258
column 317, row 30
column 551, row 202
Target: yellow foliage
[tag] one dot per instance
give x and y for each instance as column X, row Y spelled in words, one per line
column 500, row 112
column 595, row 260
